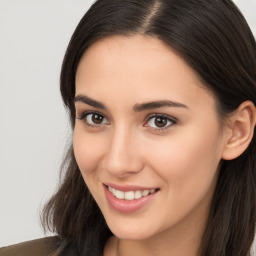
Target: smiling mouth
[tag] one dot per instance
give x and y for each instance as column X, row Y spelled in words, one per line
column 131, row 195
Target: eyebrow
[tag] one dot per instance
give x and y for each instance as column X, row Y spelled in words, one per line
column 157, row 104
column 89, row 101
column 136, row 107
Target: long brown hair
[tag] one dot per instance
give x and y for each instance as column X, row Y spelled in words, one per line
column 213, row 37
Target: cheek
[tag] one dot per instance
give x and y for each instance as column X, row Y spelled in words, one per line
column 188, row 166
column 188, row 162
column 86, row 150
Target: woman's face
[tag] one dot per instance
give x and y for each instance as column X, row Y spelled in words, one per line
column 145, row 124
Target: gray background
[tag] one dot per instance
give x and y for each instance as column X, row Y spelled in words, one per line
column 33, row 126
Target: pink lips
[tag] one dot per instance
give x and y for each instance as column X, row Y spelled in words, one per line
column 126, row 206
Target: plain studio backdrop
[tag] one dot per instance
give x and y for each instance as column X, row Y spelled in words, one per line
column 33, row 124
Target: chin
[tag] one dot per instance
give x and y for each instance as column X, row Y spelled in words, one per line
column 131, row 232
column 131, row 235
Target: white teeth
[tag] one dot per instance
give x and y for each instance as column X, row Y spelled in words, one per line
column 137, row 194
column 119, row 194
column 130, row 195
column 145, row 192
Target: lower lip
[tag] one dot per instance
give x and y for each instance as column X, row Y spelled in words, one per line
column 127, row 206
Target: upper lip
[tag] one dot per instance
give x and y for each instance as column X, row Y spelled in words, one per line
column 126, row 188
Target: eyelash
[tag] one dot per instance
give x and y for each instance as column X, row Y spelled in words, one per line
column 172, row 120
column 84, row 115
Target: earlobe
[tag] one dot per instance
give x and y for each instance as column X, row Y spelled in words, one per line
column 241, row 129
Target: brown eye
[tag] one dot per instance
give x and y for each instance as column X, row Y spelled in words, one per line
column 160, row 122
column 95, row 119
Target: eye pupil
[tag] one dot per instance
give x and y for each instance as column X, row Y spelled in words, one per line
column 97, row 119
column 161, row 121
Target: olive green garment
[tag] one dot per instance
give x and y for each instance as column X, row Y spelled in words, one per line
column 40, row 247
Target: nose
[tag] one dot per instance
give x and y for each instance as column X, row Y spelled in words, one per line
column 122, row 156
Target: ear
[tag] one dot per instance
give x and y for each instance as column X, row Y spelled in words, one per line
column 239, row 131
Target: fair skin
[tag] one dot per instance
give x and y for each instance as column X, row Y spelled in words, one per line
column 174, row 147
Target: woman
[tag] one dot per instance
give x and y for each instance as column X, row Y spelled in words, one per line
column 161, row 96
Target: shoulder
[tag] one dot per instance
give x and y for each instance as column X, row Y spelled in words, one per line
column 39, row 247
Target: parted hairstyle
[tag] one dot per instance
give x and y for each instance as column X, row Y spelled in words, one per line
column 215, row 40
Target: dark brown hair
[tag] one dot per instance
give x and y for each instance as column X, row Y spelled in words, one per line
column 213, row 37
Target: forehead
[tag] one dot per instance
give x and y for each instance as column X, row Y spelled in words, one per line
column 142, row 64
column 136, row 53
